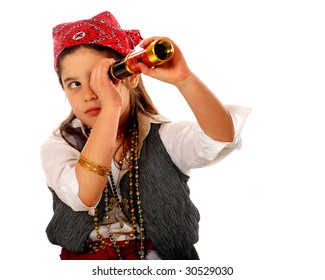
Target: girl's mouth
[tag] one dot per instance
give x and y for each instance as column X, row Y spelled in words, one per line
column 93, row 112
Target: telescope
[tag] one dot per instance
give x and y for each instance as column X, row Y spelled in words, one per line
column 158, row 52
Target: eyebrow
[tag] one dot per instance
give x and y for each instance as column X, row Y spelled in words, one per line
column 69, row 79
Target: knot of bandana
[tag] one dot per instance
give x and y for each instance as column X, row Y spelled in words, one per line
column 103, row 29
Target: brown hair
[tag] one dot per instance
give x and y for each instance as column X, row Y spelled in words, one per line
column 140, row 101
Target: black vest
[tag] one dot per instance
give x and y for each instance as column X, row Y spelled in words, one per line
column 170, row 217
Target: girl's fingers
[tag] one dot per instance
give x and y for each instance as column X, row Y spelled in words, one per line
column 146, row 42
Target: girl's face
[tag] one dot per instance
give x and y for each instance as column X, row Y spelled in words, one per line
column 76, row 69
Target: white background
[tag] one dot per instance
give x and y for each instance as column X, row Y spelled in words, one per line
column 262, row 208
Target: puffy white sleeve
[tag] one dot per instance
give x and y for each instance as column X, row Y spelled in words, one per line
column 58, row 161
column 189, row 147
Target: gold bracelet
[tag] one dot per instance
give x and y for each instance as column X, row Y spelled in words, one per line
column 93, row 167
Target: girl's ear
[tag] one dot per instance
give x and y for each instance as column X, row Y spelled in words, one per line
column 134, row 80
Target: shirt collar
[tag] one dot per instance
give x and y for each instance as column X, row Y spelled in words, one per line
column 145, row 122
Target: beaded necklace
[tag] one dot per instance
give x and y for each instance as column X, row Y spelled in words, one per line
column 135, row 218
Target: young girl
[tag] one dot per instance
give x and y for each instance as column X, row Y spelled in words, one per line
column 118, row 170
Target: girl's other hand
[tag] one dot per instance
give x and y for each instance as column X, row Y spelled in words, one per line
column 175, row 71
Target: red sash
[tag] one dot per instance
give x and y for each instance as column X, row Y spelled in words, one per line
column 129, row 252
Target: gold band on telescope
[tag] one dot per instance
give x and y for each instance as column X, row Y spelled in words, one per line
column 152, row 56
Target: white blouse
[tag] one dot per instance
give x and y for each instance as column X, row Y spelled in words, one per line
column 188, row 146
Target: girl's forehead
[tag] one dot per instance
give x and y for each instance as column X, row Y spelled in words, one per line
column 79, row 61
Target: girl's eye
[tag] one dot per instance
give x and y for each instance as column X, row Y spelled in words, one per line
column 75, row 84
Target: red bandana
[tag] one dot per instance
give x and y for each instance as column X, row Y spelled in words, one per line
column 102, row 29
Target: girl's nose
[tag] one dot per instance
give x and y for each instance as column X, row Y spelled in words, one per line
column 89, row 94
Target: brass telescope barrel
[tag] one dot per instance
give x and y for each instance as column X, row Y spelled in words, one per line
column 156, row 53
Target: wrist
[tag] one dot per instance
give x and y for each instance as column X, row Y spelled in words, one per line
column 110, row 109
column 189, row 80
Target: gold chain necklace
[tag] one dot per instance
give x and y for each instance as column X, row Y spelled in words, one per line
column 136, row 219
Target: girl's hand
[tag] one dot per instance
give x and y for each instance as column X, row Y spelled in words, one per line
column 106, row 90
column 175, row 71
